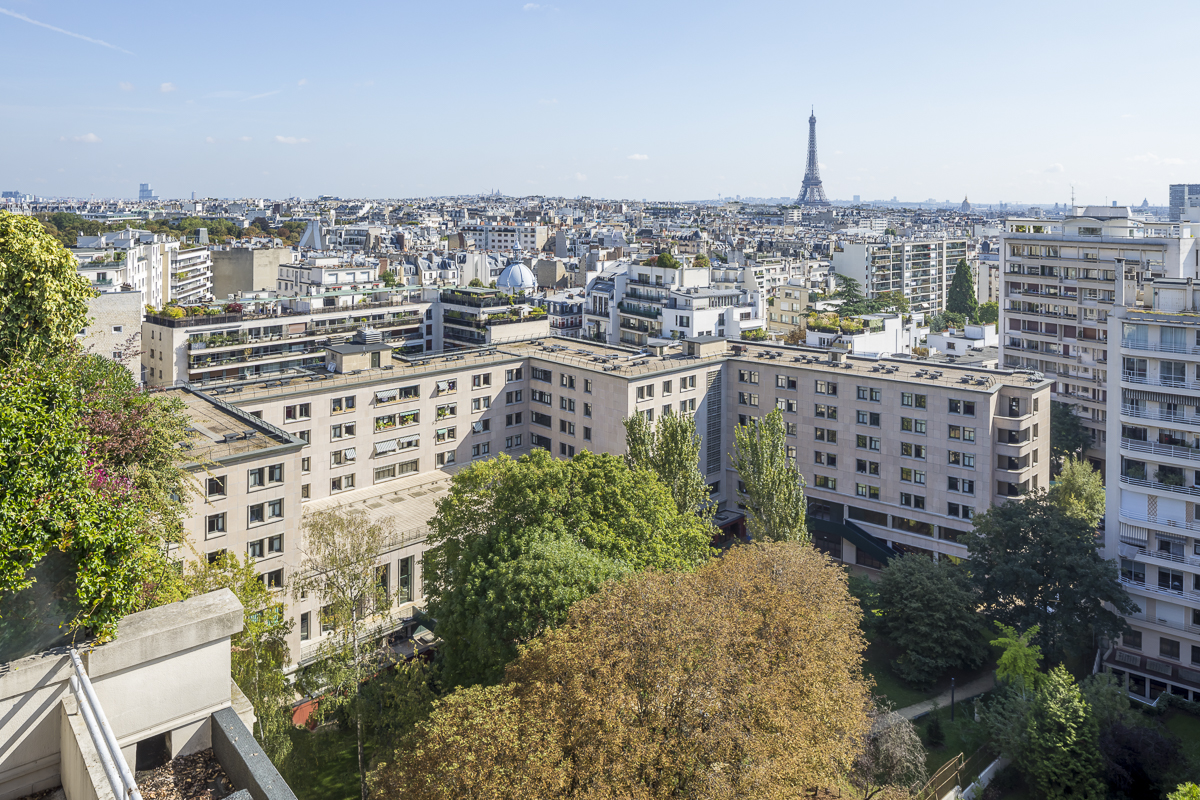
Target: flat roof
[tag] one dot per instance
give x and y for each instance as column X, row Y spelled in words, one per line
column 220, row 432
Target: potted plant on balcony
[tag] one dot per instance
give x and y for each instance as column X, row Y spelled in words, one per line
column 1137, row 471
column 1168, row 477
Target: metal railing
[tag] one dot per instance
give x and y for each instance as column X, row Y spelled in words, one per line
column 1166, row 523
column 1162, row 416
column 120, row 778
column 1182, row 349
column 1133, row 377
column 1155, row 589
column 1176, row 559
column 1178, row 451
column 1194, row 491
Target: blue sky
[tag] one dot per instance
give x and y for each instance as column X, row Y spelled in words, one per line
column 1010, row 101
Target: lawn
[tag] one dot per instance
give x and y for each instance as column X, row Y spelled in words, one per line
column 1183, row 726
column 879, row 656
column 964, row 735
column 323, row 764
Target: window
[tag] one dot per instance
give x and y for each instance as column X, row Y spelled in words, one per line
column 685, row 384
column 965, row 460
column 567, row 450
column 861, row 392
column 448, row 386
column 255, row 549
column 867, row 442
column 216, row 486
column 909, row 425
column 566, row 427
column 481, row 449
column 216, row 523
column 275, row 509
column 256, row 513
column 385, row 396
column 539, row 374
column 1133, row 571
column 869, row 418
column 538, row 396
column 1169, row 579
column 340, row 458
column 481, row 403
column 340, row 404
column 512, row 419
column 864, row 467
column 826, row 435
column 964, row 485
column 481, row 426
column 447, row 410
column 961, row 433
column 784, row 382
column 587, row 409
column 304, row 436
column 540, row 419
column 964, row 407
column 910, row 400
column 258, row 477
column 867, row 491
column 747, row 399
column 688, row 405
column 876, row 395
column 515, row 396
column 823, row 482
column 912, row 500
column 1168, row 648
column 511, row 375
column 344, row 431
column 404, row 582
column 275, row 473
column 789, row 428
column 566, row 380
column 825, row 412
column 341, row 483
column 587, row 385
column 305, row 626
column 275, row 543
column 587, row 434
column 305, row 491
column 273, row 579
column 566, row 404
column 645, row 392
column 747, row 376
column 666, row 387
column 909, row 450
column 446, row 457
column 1132, row 639
column 826, row 387
column 481, row 380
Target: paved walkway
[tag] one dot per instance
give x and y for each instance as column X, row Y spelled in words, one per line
column 961, row 694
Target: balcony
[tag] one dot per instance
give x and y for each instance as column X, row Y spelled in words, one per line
column 1158, row 486
column 1167, row 523
column 1153, row 589
column 1135, row 344
column 641, row 311
column 1171, row 383
column 1175, row 451
column 1191, row 561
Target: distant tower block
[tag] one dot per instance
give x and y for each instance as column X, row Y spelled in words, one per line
column 811, row 192
column 146, row 194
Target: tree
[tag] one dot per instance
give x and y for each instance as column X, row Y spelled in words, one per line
column 755, row 335
column 1107, row 698
column 1063, row 756
column 259, row 652
column 928, row 612
column 794, row 337
column 989, row 312
column 774, row 487
column 515, row 543
column 1033, row 564
column 1079, row 491
column 1068, row 436
column 1185, row 791
column 894, row 301
column 701, row 261
column 671, row 450
column 739, row 680
column 892, row 755
column 1018, row 663
column 339, row 551
column 397, row 699
column 849, row 290
column 961, row 298
column 475, row 283
column 667, row 261
column 43, row 299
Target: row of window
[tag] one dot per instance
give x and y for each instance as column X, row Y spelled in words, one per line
column 256, row 514
column 405, row 584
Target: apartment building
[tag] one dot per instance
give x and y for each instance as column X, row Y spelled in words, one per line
column 922, row 269
column 493, row 236
column 274, row 340
column 470, row 316
column 1183, row 198
column 191, row 275
column 1152, row 527
column 1059, row 285
column 384, row 432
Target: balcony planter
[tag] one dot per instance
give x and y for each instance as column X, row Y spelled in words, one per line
column 1167, row 478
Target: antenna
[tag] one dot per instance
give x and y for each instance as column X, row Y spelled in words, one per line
column 1072, row 197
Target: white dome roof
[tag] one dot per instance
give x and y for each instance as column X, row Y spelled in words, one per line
column 516, row 277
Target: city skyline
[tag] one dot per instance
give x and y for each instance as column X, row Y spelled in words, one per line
column 669, row 102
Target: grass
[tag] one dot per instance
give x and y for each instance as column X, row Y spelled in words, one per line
column 880, row 654
column 323, row 764
column 964, row 735
column 1183, row 726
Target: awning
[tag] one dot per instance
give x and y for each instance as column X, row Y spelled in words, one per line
column 386, row 446
column 351, row 453
column 387, row 395
column 1159, row 397
column 477, row 427
column 443, row 386
column 410, row 441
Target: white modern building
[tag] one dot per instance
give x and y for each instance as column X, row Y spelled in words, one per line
column 922, row 269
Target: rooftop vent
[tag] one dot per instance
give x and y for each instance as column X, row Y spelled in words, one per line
column 367, row 336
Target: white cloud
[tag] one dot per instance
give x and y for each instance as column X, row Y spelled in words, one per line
column 244, row 139
column 1056, row 168
column 210, row 140
column 126, row 86
column 530, row 7
column 260, row 96
column 167, row 87
column 579, row 176
column 1151, row 158
column 86, row 138
column 638, row 157
column 302, row 81
column 551, row 101
column 100, row 42
column 290, row 140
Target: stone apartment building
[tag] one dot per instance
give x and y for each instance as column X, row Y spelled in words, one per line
column 1059, row 286
column 922, row 269
column 896, row 456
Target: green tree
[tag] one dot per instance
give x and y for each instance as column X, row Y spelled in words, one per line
column 43, row 299
column 1033, row 564
column 1019, row 659
column 671, row 450
column 755, row 335
column 667, row 261
column 961, row 298
column 1063, row 757
column 893, row 301
column 1079, row 491
column 259, row 653
column 849, row 290
column 1068, row 436
column 928, row 612
column 1185, row 791
column 989, row 312
column 892, row 755
column 1107, row 698
column 774, row 487
column 475, row 283
column 339, row 549
column 701, row 261
column 516, row 543
column 397, row 699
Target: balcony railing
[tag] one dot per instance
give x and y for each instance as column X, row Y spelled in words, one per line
column 1176, row 451
column 1191, row 561
column 1149, row 587
column 1134, row 377
column 1167, row 523
column 1182, row 349
column 1163, row 416
column 1164, row 487
column 640, row 311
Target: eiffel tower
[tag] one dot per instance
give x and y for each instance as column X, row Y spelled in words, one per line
column 811, row 192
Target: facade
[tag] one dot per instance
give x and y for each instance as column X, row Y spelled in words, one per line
column 489, row 236
column 386, row 435
column 565, row 312
column 1153, row 484
column 922, row 269
column 191, row 279
column 1058, row 292
column 114, row 328
column 152, row 264
column 247, row 269
column 1183, row 198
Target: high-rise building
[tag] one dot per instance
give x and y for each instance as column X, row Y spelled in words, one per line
column 1059, row 285
column 922, row 269
column 146, row 194
column 1153, row 484
column 1183, row 197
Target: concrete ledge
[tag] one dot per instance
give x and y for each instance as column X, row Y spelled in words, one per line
column 243, row 759
column 82, row 772
column 167, row 630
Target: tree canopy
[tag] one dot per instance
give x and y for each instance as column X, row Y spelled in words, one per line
column 516, row 543
column 1034, row 564
column 671, row 450
column 989, row 312
column 1063, row 756
column 774, row 486
column 961, row 298
column 1068, row 437
column 740, row 680
column 927, row 610
column 1079, row 491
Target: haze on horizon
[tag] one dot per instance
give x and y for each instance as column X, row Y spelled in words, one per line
column 666, row 100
